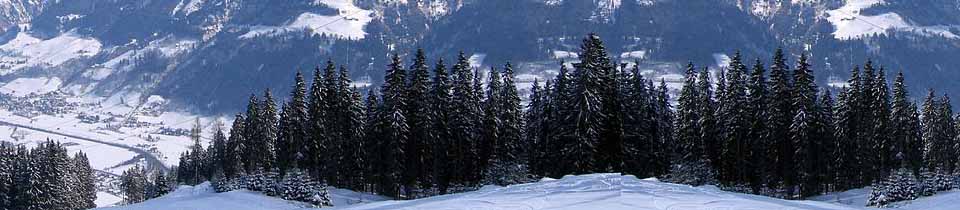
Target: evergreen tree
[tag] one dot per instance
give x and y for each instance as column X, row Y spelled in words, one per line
column 847, row 124
column 881, row 133
column 905, row 128
column 709, row 130
column 533, row 116
column 218, row 151
column 511, row 120
column 804, row 130
column 758, row 94
column 196, row 157
column 492, row 123
column 250, row 136
column 869, row 151
column 6, row 175
column 394, row 129
column 267, row 129
column 440, row 104
column 587, row 113
column 318, row 145
column 780, row 117
column 352, row 126
column 133, row 184
column 664, row 118
column 293, row 127
column 938, row 133
column 733, row 117
column 639, row 143
column 160, row 185
column 464, row 114
column 688, row 118
column 87, row 186
column 418, row 118
column 233, row 154
column 826, row 131
column 372, row 141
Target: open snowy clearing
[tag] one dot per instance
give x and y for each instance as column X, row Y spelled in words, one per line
column 595, row 191
column 348, row 23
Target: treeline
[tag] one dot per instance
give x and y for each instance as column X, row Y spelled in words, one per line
column 764, row 129
column 45, row 178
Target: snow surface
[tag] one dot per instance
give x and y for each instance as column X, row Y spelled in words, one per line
column 106, row 199
column 25, row 86
column 25, row 51
column 858, row 198
column 851, row 24
column 593, row 191
column 203, row 197
column 348, row 23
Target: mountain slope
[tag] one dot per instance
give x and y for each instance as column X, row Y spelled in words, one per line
column 208, row 55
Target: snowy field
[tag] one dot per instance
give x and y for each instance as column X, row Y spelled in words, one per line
column 595, row 191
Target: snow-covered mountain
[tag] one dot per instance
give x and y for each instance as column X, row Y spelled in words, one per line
column 208, row 55
column 594, row 191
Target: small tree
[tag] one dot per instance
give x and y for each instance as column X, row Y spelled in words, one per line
column 901, row 185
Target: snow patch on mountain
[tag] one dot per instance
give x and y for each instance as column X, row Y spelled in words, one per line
column 187, row 7
column 26, row 50
column 348, row 23
column 850, row 23
column 25, row 86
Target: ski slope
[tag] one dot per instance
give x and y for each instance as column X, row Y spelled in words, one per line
column 594, row 191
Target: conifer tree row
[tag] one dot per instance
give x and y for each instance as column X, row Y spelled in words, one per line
column 436, row 129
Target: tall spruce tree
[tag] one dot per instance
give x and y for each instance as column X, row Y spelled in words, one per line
column 293, row 127
column 511, row 118
column 689, row 118
column 905, row 128
column 394, row 129
column 250, row 135
column 758, row 94
column 352, row 126
column 372, row 141
column 826, row 131
column 418, row 118
column 318, row 145
column 587, row 113
column 233, row 155
column 780, row 116
column 804, row 130
column 464, row 114
column 881, row 130
column 709, row 130
column 733, row 117
column 440, row 105
column 490, row 131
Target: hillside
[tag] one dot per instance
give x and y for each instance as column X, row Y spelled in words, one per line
column 99, row 47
